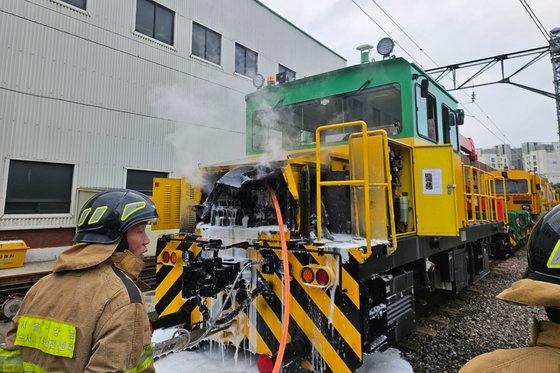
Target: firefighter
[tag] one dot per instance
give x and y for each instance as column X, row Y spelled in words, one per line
column 88, row 315
column 540, row 287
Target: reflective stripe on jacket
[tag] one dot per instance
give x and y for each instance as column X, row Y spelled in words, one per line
column 104, row 306
column 10, row 361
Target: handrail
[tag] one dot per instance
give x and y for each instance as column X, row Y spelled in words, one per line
column 481, row 196
column 364, row 182
column 330, row 127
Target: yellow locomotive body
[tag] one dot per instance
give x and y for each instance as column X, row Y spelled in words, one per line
column 320, row 256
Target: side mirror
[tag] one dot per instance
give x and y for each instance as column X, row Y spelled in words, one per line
column 538, row 186
column 504, row 174
column 424, row 84
column 460, row 117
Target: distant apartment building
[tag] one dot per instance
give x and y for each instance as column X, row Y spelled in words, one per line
column 542, row 158
column 497, row 157
column 532, row 156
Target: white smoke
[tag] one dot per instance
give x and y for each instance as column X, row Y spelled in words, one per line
column 200, row 127
column 271, row 135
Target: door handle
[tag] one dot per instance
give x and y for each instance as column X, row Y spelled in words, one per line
column 450, row 188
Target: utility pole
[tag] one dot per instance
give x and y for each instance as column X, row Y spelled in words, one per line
column 555, row 58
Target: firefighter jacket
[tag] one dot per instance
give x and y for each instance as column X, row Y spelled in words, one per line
column 543, row 353
column 86, row 316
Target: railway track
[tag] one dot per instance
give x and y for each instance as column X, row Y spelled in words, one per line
column 21, row 283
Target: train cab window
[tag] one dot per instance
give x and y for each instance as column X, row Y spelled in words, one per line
column 426, row 117
column 293, row 126
column 513, row 186
column 450, row 128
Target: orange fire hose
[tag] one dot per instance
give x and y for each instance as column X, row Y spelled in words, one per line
column 286, row 300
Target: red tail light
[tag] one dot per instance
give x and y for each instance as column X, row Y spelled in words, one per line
column 165, row 257
column 323, row 277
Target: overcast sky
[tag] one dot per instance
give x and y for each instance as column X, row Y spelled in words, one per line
column 448, row 32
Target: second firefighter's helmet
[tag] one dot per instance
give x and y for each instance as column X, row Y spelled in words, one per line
column 108, row 215
column 543, row 255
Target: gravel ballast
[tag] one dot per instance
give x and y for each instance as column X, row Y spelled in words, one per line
column 472, row 323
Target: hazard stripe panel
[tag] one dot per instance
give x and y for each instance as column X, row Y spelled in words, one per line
column 331, row 330
column 168, row 295
column 326, row 320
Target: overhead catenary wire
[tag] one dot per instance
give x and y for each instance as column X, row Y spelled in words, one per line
column 491, row 121
column 404, row 32
column 382, row 29
column 469, row 114
column 502, row 139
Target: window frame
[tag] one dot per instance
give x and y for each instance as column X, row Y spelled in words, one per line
column 245, row 51
column 130, row 171
column 290, row 74
column 422, row 122
column 450, row 128
column 72, row 4
column 38, row 211
column 205, row 54
column 153, row 34
column 524, row 183
column 294, row 125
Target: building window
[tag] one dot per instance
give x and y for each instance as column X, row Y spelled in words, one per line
column 142, row 181
column 245, row 61
column 285, row 74
column 38, row 188
column 206, row 43
column 155, row 21
column 77, row 3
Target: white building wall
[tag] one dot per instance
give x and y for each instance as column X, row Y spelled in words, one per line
column 545, row 159
column 548, row 164
column 83, row 88
column 493, row 160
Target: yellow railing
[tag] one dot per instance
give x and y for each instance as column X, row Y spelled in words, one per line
column 364, row 182
column 482, row 201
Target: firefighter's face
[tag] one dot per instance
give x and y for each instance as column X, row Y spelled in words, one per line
column 137, row 240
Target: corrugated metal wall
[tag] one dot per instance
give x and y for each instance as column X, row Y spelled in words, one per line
column 82, row 87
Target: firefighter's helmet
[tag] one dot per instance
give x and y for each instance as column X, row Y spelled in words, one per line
column 108, row 215
column 543, row 255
